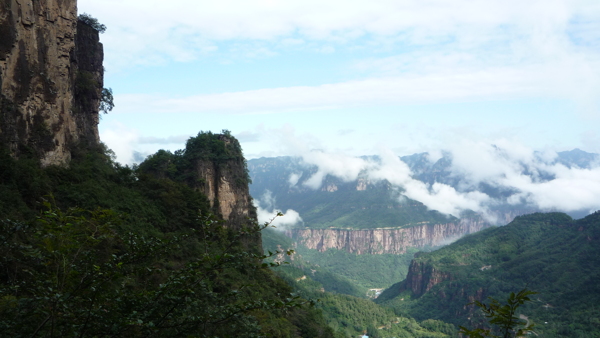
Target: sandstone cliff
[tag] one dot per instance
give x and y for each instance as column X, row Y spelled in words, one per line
column 51, row 78
column 385, row 241
column 222, row 176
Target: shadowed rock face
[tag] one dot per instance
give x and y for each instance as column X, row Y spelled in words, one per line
column 51, row 78
column 385, row 241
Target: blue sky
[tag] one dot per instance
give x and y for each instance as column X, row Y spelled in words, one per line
column 351, row 77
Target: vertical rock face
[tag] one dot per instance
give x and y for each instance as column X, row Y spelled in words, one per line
column 50, row 79
column 224, row 181
column 88, row 82
column 422, row 277
column 385, row 241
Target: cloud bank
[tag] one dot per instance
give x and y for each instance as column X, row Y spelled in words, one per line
column 530, row 179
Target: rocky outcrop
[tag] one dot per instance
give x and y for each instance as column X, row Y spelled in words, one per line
column 224, row 180
column 422, row 277
column 385, row 241
column 50, row 79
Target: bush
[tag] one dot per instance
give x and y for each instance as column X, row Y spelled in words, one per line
column 91, row 21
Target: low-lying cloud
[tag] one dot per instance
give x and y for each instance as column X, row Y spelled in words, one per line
column 534, row 180
column 267, row 213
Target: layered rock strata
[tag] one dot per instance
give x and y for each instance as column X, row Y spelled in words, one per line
column 385, row 241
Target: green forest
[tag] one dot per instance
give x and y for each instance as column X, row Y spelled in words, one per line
column 551, row 254
column 100, row 249
column 343, row 301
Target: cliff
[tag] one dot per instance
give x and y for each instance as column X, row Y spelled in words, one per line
column 51, row 79
column 385, row 241
column 223, row 178
column 422, row 277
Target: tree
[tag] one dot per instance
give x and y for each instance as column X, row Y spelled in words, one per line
column 106, row 100
column 503, row 317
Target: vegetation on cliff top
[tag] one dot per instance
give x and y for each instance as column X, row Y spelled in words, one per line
column 92, row 22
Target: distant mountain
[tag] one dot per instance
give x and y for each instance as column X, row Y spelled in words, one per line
column 578, row 158
column 552, row 254
column 365, row 203
column 360, row 204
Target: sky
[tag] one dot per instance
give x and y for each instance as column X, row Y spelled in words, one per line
column 351, row 76
column 330, row 80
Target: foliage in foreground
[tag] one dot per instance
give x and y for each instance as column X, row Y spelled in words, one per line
column 72, row 274
column 128, row 254
column 503, row 317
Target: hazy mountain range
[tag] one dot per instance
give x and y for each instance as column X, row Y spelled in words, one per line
column 380, row 191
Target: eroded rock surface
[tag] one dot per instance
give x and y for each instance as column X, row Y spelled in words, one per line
column 385, row 241
column 51, row 78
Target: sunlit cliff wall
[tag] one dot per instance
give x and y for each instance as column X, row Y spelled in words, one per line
column 224, row 180
column 385, row 241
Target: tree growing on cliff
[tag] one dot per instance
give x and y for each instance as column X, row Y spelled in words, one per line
column 91, row 21
column 106, row 100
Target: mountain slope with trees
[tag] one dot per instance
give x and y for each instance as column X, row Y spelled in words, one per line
column 100, row 249
column 552, row 254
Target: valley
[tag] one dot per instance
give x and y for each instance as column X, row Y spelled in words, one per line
column 200, row 241
column 439, row 263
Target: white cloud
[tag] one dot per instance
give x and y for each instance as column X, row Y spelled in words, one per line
column 453, row 32
column 536, row 179
column 293, row 180
column 435, row 52
column 121, row 140
column 499, row 83
column 235, row 19
column 267, row 213
column 440, row 197
column 442, row 50
column 129, row 145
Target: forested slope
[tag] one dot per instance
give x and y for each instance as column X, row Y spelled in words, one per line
column 100, row 249
column 552, row 254
column 344, row 305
